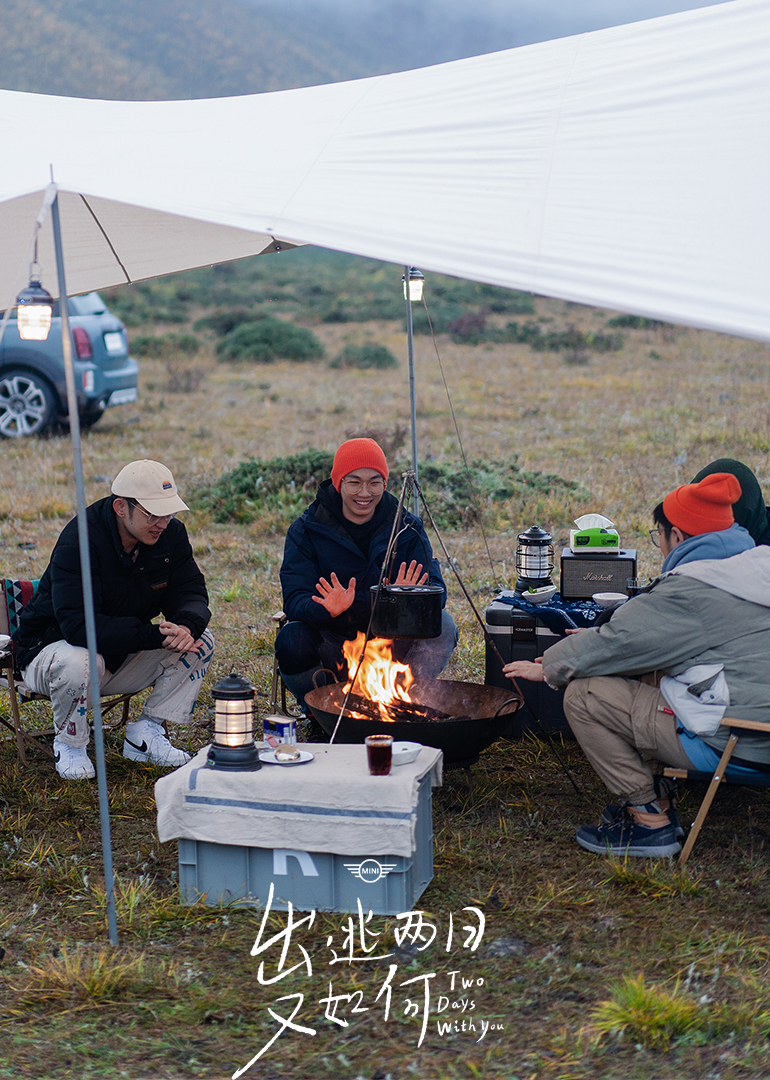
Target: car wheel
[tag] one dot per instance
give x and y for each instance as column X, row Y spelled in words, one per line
column 27, row 405
column 88, row 419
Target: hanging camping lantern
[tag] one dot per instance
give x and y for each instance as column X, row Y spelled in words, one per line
column 35, row 308
column 534, row 559
column 413, row 286
column 233, row 746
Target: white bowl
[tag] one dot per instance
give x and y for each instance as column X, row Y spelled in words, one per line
column 540, row 596
column 609, row 600
column 404, row 752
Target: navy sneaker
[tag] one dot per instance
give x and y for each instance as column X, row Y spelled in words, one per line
column 612, row 812
column 665, row 787
column 625, row 836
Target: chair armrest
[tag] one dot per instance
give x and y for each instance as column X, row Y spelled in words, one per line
column 747, row 725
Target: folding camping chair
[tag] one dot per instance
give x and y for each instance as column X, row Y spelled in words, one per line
column 759, row 779
column 16, row 594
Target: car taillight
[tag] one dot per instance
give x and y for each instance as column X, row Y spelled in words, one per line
column 83, row 346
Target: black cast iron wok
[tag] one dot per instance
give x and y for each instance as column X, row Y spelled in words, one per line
column 477, row 716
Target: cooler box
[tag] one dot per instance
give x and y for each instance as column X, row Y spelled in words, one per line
column 311, row 880
column 520, row 636
column 324, row 834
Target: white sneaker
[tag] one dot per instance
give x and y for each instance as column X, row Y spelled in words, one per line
column 146, row 741
column 72, row 762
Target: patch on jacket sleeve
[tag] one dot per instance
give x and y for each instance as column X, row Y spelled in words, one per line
column 160, row 585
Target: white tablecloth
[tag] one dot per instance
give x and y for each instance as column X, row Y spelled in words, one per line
column 329, row 804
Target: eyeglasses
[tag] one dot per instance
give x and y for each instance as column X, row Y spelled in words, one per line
column 655, row 537
column 374, row 487
column 152, row 519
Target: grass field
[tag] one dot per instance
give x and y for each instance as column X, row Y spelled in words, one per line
column 587, row 967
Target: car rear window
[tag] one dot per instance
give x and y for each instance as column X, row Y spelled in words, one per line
column 90, row 304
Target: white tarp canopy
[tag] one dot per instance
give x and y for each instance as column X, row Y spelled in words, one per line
column 627, row 168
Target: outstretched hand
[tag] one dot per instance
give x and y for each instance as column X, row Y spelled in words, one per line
column 410, row 575
column 525, row 669
column 334, row 597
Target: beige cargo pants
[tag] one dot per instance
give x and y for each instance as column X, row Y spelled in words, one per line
column 621, row 725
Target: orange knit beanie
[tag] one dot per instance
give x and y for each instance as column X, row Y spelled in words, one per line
column 704, row 507
column 358, row 454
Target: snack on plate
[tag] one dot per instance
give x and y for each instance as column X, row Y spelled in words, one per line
column 285, row 752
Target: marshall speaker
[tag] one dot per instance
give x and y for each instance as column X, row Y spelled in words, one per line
column 583, row 575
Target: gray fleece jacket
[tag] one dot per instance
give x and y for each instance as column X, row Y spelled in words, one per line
column 711, row 611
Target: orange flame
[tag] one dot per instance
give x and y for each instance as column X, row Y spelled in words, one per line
column 380, row 678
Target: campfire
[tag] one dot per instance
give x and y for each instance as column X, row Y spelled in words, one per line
column 381, row 690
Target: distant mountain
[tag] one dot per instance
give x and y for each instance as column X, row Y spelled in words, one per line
column 147, row 49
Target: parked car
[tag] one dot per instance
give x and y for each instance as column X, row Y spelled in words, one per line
column 33, row 394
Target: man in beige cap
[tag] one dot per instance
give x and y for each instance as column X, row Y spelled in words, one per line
column 142, row 566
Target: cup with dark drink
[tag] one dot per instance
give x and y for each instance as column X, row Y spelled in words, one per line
column 634, row 585
column 379, row 754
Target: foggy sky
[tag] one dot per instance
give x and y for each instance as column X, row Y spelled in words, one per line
column 539, row 20
column 527, row 20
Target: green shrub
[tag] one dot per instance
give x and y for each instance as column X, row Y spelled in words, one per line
column 442, row 315
column 281, row 486
column 469, row 329
column 372, row 305
column 225, row 320
column 165, row 346
column 634, row 322
column 364, row 356
column 570, row 340
column 459, row 497
column 510, row 302
column 267, row 340
column 279, row 489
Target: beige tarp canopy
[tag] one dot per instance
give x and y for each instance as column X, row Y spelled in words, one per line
column 628, row 168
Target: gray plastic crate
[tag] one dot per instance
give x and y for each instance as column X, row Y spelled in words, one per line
column 385, row 884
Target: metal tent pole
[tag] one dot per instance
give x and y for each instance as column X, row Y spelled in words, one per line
column 412, row 391
column 85, row 569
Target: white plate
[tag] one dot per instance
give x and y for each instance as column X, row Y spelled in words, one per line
column 269, row 758
column 405, row 752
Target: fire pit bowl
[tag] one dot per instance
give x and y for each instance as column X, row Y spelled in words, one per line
column 472, row 725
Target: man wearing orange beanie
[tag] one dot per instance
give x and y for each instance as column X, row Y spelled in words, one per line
column 703, row 629
column 333, row 555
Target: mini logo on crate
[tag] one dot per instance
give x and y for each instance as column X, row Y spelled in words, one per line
column 370, row 870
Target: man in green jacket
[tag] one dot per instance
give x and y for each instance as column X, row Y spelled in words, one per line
column 703, row 630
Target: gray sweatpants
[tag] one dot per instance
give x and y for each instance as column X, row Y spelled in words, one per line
column 60, row 670
column 620, row 723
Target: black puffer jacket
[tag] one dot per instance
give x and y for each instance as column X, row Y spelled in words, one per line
column 128, row 593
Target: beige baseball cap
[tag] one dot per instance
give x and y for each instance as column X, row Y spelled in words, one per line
column 151, row 484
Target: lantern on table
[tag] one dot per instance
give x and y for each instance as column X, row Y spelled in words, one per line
column 534, row 559
column 233, row 746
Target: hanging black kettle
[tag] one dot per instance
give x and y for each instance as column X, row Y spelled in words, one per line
column 406, row 611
